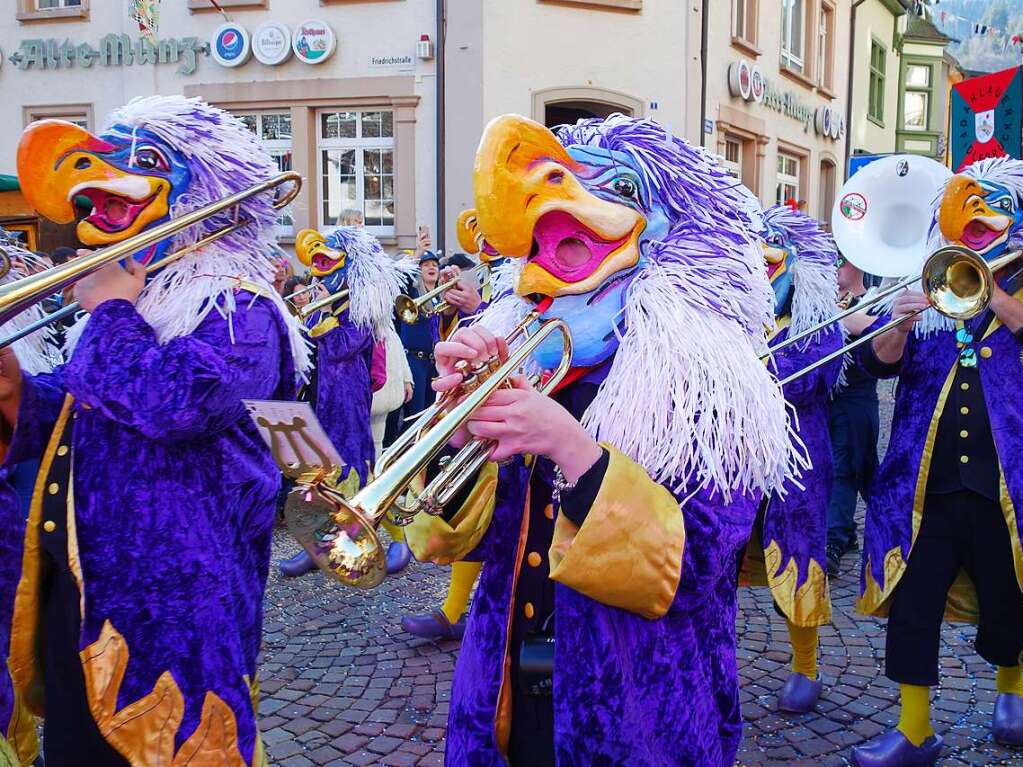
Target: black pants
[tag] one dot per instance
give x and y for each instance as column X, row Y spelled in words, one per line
column 959, row 530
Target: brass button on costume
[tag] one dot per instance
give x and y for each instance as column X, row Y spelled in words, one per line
column 964, row 459
column 985, row 352
column 964, row 386
column 53, row 489
column 49, row 525
column 534, row 559
column 549, row 511
column 528, row 610
column 62, row 450
column 964, row 410
column 964, row 434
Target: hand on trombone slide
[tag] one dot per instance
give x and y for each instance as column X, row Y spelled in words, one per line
column 111, row 282
column 464, row 296
column 518, row 418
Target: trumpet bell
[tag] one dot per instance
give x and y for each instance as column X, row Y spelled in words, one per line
column 341, row 541
column 958, row 282
column 407, row 309
column 882, row 215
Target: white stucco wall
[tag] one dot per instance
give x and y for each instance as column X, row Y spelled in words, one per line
column 875, row 21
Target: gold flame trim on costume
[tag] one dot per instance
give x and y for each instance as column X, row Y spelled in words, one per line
column 21, row 746
column 873, row 599
column 144, row 731
column 807, row 605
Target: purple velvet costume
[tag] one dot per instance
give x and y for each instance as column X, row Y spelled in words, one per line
column 625, row 687
column 796, row 522
column 893, row 514
column 344, row 393
column 174, row 496
column 12, row 536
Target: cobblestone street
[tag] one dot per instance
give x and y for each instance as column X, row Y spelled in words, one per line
column 344, row 685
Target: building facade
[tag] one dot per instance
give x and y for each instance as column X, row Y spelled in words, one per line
column 925, row 74
column 776, row 97
column 878, row 26
column 345, row 91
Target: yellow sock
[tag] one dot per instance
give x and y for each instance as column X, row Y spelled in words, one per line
column 804, row 649
column 463, row 576
column 1010, row 679
column 397, row 533
column 915, row 716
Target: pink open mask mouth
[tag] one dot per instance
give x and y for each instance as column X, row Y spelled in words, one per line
column 979, row 236
column 567, row 249
column 112, row 213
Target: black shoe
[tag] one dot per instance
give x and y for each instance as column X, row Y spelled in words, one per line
column 834, row 560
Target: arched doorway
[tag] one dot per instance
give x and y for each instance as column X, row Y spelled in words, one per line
column 560, row 106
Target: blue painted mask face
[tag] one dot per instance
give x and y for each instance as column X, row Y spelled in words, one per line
column 596, row 317
column 780, row 257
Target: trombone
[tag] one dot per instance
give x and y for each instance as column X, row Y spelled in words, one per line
column 29, row 291
column 957, row 282
column 341, row 535
column 411, row 310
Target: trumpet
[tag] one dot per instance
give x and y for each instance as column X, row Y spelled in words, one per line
column 305, row 312
column 341, row 535
column 957, row 282
column 29, row 291
column 410, row 310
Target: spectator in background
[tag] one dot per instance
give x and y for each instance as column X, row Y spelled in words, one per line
column 62, row 254
column 854, row 425
column 282, row 273
column 350, row 217
column 396, row 390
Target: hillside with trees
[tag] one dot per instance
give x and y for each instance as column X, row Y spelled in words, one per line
column 984, row 52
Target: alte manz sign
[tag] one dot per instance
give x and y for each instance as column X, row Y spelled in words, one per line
column 113, row 50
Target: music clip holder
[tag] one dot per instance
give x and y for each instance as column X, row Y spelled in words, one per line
column 299, row 445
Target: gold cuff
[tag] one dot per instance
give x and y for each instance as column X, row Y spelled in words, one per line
column 433, row 539
column 628, row 551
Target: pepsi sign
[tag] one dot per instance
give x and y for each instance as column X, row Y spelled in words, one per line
column 230, row 45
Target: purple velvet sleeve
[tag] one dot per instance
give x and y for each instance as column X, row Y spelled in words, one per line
column 42, row 397
column 347, row 341
column 716, row 532
column 801, row 355
column 190, row 386
column 866, row 359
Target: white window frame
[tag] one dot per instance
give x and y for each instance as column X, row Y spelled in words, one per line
column 360, row 145
column 284, row 227
column 734, row 167
column 786, row 180
column 926, row 95
column 794, row 60
column 825, row 54
column 60, row 5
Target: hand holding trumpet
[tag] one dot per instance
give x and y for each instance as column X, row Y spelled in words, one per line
column 518, row 419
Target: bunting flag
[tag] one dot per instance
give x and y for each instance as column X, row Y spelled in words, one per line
column 146, row 13
column 987, row 117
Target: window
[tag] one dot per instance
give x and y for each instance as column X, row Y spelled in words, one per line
column 79, row 114
column 788, row 178
column 273, row 129
column 356, row 156
column 918, row 76
column 792, row 34
column 733, row 157
column 744, row 21
column 916, row 110
column 45, row 5
column 878, row 62
column 47, row 10
column 825, row 55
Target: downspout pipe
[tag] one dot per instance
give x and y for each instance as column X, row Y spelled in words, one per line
column 703, row 71
column 849, row 88
column 441, row 231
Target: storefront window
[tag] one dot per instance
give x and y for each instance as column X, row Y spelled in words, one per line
column 792, row 34
column 733, row 157
column 274, row 132
column 788, row 178
column 356, row 155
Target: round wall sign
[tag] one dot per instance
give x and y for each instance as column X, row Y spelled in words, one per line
column 757, row 85
column 271, row 43
column 230, row 46
column 313, row 41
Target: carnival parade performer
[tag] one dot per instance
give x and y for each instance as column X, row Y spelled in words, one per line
column 642, row 243
column 344, row 335
column 18, row 743
column 787, row 551
column 945, row 515
column 137, row 619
